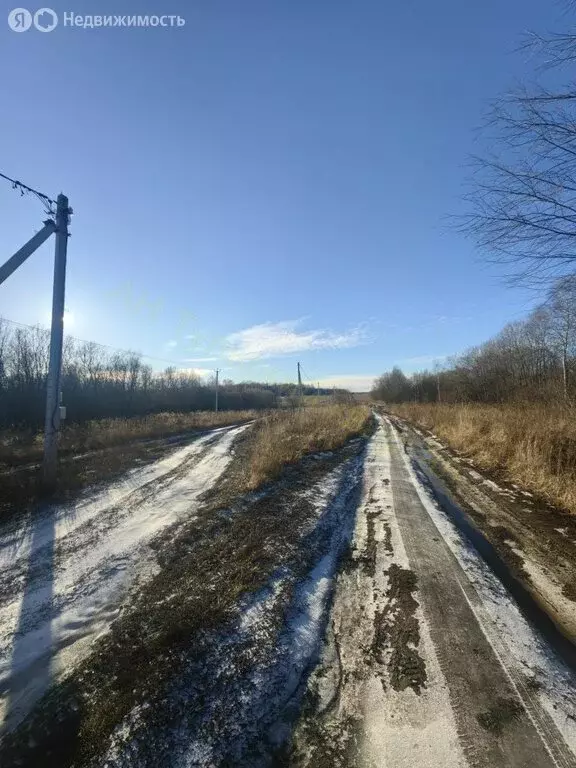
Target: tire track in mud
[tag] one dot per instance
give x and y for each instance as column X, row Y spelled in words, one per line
column 533, row 684
column 77, row 582
column 373, row 638
column 538, row 563
column 397, row 633
column 497, row 726
column 93, row 529
column 88, row 535
column 233, row 705
column 407, row 617
column 207, row 666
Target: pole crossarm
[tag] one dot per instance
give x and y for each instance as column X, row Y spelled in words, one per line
column 27, row 250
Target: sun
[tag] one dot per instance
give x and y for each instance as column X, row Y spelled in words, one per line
column 68, row 319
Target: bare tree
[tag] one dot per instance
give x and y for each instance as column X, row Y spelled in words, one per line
column 98, row 382
column 523, row 193
column 563, row 326
column 4, row 340
column 528, row 360
column 538, row 334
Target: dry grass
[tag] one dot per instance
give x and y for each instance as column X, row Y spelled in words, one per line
column 532, row 445
column 101, row 450
column 311, row 401
column 285, row 436
column 22, row 447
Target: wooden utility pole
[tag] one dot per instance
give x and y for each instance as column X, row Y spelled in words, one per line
column 299, row 384
column 216, row 400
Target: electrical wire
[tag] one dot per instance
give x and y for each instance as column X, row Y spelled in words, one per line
column 307, row 377
column 312, row 382
column 24, row 188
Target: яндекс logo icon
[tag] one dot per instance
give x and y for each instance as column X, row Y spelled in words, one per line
column 20, row 19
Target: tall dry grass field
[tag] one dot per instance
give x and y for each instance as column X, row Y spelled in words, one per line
column 533, row 445
column 286, row 436
column 17, row 447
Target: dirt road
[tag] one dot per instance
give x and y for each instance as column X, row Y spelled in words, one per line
column 338, row 617
column 65, row 573
column 428, row 662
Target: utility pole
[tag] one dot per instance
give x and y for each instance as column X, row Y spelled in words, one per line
column 216, row 400
column 437, row 369
column 60, row 228
column 299, row 384
column 52, row 422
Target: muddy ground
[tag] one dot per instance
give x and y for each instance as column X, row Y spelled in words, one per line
column 20, row 482
column 536, row 540
column 166, row 632
column 414, row 671
column 365, row 610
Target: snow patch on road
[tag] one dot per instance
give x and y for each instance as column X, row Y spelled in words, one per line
column 63, row 520
column 82, row 559
column 404, row 729
column 508, row 631
column 254, row 669
column 358, row 716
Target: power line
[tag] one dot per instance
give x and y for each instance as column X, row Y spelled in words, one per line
column 24, row 188
column 307, row 378
column 97, row 343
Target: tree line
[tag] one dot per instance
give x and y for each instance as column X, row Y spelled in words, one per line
column 99, row 383
column 522, row 213
column 529, row 360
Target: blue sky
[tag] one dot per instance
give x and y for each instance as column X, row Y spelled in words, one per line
column 267, row 183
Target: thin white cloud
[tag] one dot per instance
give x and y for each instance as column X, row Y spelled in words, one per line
column 361, row 382
column 200, row 359
column 198, row 371
column 275, row 339
column 172, row 343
